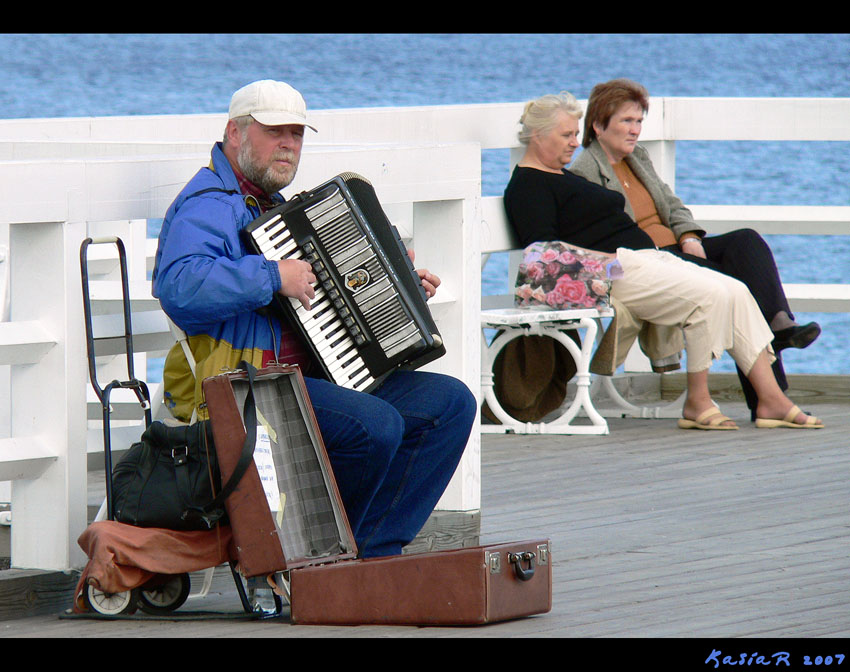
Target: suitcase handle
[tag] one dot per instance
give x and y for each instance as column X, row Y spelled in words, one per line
column 517, row 558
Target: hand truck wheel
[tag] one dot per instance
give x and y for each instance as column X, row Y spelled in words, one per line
column 111, row 604
column 164, row 596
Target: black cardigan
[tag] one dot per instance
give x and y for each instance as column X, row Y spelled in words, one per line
column 543, row 206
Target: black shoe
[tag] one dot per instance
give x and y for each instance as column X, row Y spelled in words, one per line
column 796, row 337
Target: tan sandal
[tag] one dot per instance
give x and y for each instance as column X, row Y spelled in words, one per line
column 710, row 419
column 788, row 421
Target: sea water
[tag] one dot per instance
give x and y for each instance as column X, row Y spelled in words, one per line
column 80, row 75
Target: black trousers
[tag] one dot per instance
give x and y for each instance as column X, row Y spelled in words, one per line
column 744, row 255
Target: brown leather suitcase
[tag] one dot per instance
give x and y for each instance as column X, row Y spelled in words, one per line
column 465, row 586
column 291, row 527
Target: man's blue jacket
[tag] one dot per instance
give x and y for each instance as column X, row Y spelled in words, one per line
column 211, row 286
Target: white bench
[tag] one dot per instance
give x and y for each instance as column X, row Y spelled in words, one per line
column 496, row 236
column 515, row 322
column 498, row 314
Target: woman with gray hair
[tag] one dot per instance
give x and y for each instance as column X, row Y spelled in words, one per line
column 612, row 158
column 716, row 312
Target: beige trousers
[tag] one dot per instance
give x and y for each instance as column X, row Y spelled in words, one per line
column 716, row 312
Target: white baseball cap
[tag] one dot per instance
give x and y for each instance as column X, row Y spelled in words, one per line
column 271, row 103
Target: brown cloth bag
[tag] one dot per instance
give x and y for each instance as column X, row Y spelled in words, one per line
column 123, row 557
column 530, row 377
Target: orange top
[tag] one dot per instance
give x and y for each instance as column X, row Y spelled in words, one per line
column 646, row 214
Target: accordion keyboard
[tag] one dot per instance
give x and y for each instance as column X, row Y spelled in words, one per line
column 323, row 325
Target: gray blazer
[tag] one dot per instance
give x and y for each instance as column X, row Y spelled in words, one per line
column 593, row 164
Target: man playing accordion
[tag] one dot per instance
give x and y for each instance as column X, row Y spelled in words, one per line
column 393, row 450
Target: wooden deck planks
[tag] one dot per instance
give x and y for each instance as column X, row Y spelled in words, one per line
column 656, row 532
column 680, row 534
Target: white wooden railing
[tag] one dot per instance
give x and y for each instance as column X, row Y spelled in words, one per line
column 62, row 180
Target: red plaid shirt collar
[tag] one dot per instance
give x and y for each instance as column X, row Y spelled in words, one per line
column 248, row 188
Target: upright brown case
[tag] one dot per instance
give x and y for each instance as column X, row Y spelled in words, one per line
column 309, row 540
column 308, row 523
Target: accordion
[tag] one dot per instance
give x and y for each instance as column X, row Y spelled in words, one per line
column 369, row 315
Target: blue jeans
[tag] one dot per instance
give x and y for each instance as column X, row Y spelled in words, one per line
column 393, row 451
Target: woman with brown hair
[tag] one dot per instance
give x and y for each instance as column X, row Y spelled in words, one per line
column 612, row 158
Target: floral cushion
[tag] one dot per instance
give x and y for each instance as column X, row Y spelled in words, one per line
column 559, row 276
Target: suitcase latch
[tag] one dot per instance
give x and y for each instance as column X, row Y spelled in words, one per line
column 494, row 562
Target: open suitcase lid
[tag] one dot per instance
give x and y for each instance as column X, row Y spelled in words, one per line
column 286, row 511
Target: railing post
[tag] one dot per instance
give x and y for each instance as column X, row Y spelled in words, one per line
column 5, row 486
column 663, row 156
column 446, row 241
column 662, row 153
column 47, row 407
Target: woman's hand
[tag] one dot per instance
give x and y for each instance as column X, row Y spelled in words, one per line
column 693, row 246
